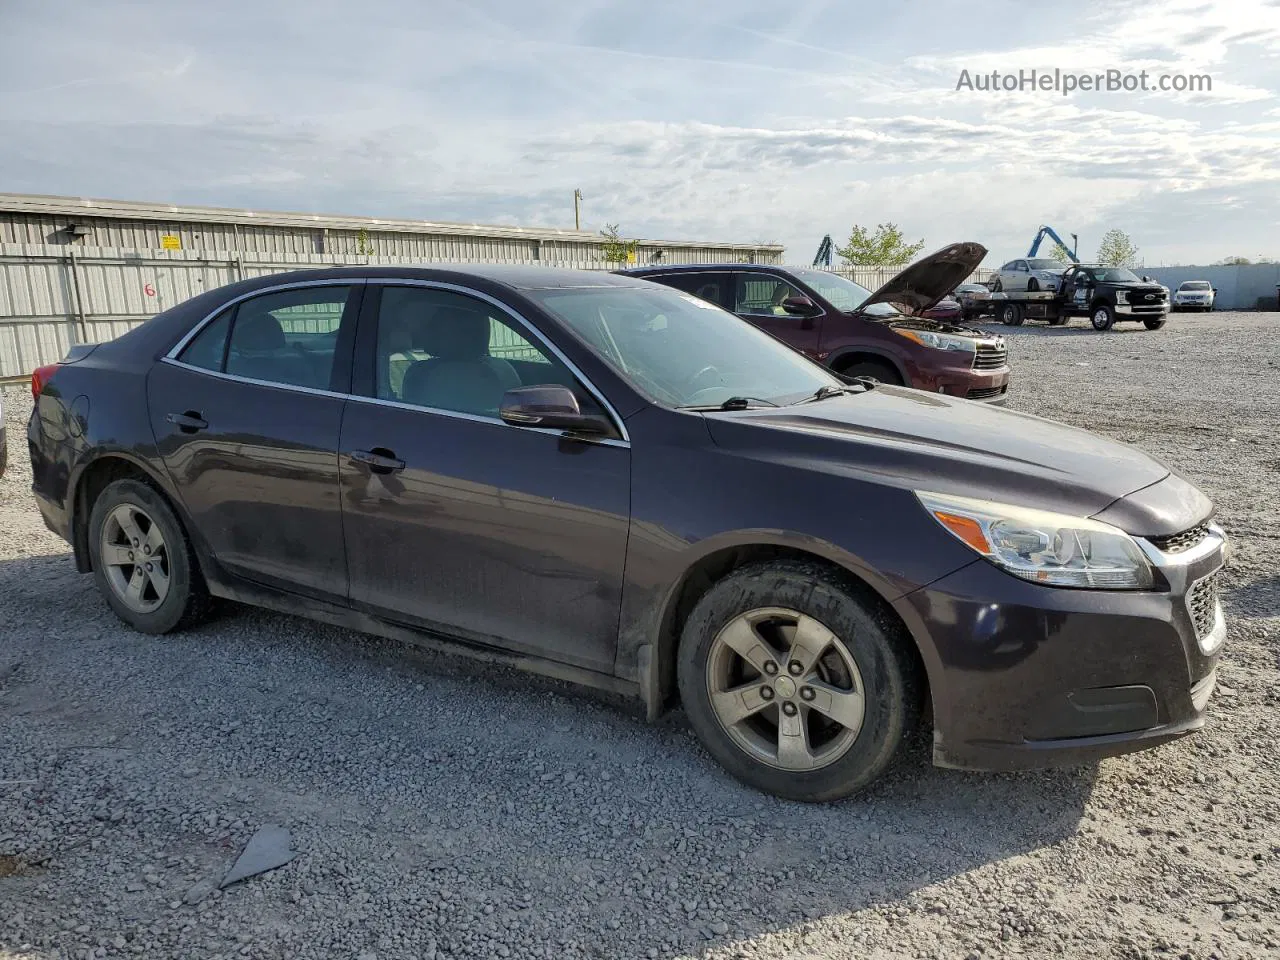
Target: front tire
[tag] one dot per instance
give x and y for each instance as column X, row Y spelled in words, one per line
column 797, row 686
column 1103, row 316
column 1155, row 323
column 143, row 563
column 874, row 369
column 1033, row 285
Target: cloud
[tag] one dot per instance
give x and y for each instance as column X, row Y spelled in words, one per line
column 746, row 121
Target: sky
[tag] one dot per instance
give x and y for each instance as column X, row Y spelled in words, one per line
column 741, row 121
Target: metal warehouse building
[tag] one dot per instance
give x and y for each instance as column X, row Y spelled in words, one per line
column 74, row 270
column 124, row 225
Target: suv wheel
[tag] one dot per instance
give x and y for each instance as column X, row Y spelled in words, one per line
column 142, row 560
column 1103, row 316
column 874, row 369
column 794, row 684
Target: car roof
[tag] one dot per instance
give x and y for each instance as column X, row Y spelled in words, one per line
column 705, row 267
column 512, row 275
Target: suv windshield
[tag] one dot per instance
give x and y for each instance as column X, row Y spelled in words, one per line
column 845, row 295
column 1046, row 265
column 682, row 351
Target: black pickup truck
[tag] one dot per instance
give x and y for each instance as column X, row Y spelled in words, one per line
column 1103, row 294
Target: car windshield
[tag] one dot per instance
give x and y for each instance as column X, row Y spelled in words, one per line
column 682, row 351
column 1046, row 265
column 843, row 294
column 1114, row 275
column 1195, row 285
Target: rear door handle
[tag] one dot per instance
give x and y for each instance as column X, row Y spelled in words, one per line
column 379, row 460
column 189, row 422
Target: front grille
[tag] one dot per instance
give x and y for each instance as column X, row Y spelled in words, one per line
column 1146, row 296
column 1179, row 542
column 985, row 393
column 990, row 356
column 1202, row 604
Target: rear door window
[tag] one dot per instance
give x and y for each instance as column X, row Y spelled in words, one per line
column 289, row 338
column 711, row 287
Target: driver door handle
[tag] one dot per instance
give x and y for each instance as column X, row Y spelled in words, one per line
column 189, row 422
column 379, row 460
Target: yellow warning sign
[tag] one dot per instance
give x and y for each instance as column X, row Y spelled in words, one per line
column 631, row 256
column 170, row 241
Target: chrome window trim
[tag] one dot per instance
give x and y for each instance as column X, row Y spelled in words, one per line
column 481, row 418
column 261, row 291
column 236, row 378
column 172, row 356
column 538, row 336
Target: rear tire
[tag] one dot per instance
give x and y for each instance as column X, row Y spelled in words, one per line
column 143, row 563
column 824, row 645
column 1011, row 315
column 875, row 369
column 1103, row 316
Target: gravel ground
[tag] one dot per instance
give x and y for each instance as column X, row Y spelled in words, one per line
column 443, row 809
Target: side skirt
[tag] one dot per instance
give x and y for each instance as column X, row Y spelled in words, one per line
column 341, row 616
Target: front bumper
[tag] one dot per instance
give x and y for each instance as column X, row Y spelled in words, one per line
column 1142, row 309
column 989, row 386
column 1026, row 676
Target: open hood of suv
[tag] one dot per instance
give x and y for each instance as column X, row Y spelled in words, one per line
column 925, row 282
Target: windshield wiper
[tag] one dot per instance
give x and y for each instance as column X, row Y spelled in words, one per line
column 826, row 391
column 741, row 403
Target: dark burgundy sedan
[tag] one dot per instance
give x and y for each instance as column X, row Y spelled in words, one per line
column 622, row 484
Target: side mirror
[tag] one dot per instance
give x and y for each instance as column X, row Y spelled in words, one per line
column 1215, row 291
column 551, row 406
column 799, row 306
column 1146, row 279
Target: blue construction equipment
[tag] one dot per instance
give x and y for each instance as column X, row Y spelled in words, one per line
column 823, row 257
column 1046, row 231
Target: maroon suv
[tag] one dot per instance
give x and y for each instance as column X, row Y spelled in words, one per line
column 858, row 333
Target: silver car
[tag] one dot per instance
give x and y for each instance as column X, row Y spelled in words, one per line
column 1029, row 274
column 1194, row 295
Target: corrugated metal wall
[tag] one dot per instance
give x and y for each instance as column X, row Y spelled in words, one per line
column 54, row 296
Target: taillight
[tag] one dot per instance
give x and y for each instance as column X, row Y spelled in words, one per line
column 39, row 377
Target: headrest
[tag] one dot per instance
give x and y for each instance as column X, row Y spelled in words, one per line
column 455, row 333
column 258, row 332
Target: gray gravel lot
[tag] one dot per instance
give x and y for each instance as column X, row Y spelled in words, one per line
column 444, row 809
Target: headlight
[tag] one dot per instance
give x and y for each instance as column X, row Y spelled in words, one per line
column 939, row 341
column 1122, row 296
column 1048, row 548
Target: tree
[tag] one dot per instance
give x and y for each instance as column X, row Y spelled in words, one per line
column 1061, row 253
column 1117, row 250
column 884, row 248
column 1236, row 261
column 364, row 247
column 617, row 250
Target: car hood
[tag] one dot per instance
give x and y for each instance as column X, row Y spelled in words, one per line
column 927, row 441
column 1052, row 271
column 927, row 281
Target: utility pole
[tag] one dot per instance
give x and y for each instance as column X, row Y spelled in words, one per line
column 577, row 198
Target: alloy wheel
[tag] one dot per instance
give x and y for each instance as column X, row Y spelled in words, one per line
column 135, row 558
column 785, row 688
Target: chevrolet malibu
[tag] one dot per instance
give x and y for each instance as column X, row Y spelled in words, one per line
column 621, row 484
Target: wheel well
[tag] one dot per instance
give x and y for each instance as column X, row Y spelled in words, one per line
column 846, row 360
column 708, row 571
column 97, row 477
column 1099, row 302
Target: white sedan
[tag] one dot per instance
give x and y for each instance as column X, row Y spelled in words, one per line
column 1194, row 295
column 1029, row 274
